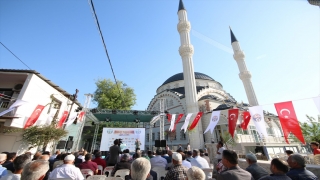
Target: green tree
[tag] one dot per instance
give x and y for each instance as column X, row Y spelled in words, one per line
column 311, row 129
column 110, row 95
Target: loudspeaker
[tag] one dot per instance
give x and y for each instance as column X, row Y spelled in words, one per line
column 157, row 143
column 70, row 138
column 61, row 145
column 69, row 144
column 163, row 143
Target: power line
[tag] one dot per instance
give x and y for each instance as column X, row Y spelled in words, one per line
column 104, row 45
column 15, row 55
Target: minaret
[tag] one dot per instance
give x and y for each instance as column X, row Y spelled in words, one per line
column 186, row 53
column 244, row 74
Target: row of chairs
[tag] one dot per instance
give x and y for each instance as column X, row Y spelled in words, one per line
column 119, row 173
column 161, row 172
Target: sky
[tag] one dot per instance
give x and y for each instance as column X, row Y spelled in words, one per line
column 60, row 40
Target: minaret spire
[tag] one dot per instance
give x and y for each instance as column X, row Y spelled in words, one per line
column 186, row 53
column 244, row 74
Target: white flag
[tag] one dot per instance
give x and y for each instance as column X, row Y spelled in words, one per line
column 186, row 122
column 316, row 100
column 50, row 116
column 173, row 120
column 71, row 119
column 257, row 116
column 14, row 105
column 215, row 117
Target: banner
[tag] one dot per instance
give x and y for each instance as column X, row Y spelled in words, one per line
column 80, row 116
column 71, row 119
column 62, row 119
column 258, row 120
column 186, row 122
column 50, row 116
column 213, row 121
column 316, row 100
column 34, row 116
column 169, row 116
column 246, row 119
column 288, row 120
column 13, row 106
column 232, row 120
column 195, row 121
column 177, row 121
column 173, row 119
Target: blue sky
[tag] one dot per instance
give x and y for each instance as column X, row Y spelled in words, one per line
column 59, row 39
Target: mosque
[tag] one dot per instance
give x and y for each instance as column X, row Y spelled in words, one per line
column 191, row 92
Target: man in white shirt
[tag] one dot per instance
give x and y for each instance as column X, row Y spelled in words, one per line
column 185, row 163
column 220, row 149
column 67, row 170
column 158, row 161
column 198, row 161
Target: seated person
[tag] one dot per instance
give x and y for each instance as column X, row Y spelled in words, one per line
column 123, row 164
column 279, row 169
column 88, row 164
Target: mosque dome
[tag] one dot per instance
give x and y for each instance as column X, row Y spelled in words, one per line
column 179, row 76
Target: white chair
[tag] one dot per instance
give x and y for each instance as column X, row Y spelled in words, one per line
column 122, row 173
column 113, row 178
column 108, row 169
column 100, row 168
column 97, row 177
column 208, row 172
column 161, row 172
column 86, row 172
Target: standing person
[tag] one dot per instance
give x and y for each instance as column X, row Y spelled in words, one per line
column 279, row 169
column 315, row 148
column 233, row 172
column 114, row 153
column 220, row 149
column 188, row 147
column 18, row 164
column 298, row 169
column 177, row 172
column 254, row 169
column 137, row 144
column 180, row 148
column 88, row 164
column 3, row 170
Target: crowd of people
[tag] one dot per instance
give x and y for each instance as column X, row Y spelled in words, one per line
column 179, row 165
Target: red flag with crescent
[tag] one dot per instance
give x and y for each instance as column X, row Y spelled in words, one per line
column 178, row 119
column 169, row 116
column 34, row 116
column 62, row 119
column 195, row 121
column 246, row 119
column 232, row 120
column 289, row 120
column 80, row 116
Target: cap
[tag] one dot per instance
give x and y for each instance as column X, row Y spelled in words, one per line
column 3, row 157
column 70, row 157
column 177, row 156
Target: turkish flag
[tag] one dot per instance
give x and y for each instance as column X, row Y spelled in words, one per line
column 195, row 121
column 232, row 120
column 246, row 119
column 34, row 116
column 169, row 116
column 289, row 120
column 62, row 119
column 178, row 119
column 80, row 116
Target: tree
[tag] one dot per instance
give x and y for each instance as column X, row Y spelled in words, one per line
column 311, row 129
column 110, row 95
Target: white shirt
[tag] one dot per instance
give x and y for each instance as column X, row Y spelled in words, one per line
column 199, row 162
column 158, row 161
column 219, row 156
column 11, row 177
column 66, row 171
column 186, row 164
column 188, row 148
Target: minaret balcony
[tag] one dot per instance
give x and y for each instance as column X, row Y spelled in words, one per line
column 239, row 55
column 184, row 26
column 186, row 50
column 245, row 75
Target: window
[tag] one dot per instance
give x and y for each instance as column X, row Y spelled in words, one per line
column 147, row 137
column 158, row 136
column 5, row 100
column 182, row 135
column 153, row 136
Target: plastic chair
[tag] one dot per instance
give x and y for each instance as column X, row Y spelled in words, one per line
column 108, row 169
column 97, row 177
column 122, row 173
column 86, row 172
column 100, row 168
column 161, row 172
column 208, row 172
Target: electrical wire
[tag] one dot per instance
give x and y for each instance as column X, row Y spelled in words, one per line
column 15, row 55
column 104, row 44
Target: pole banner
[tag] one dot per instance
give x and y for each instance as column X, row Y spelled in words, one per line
column 246, row 119
column 71, row 119
column 195, row 121
column 232, row 120
column 316, row 100
column 258, row 120
column 215, row 117
column 177, row 121
column 288, row 120
column 169, row 116
column 62, row 119
column 80, row 116
column 34, row 116
column 173, row 119
column 186, row 122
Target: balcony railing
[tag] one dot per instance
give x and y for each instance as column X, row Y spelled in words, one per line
column 241, row 138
